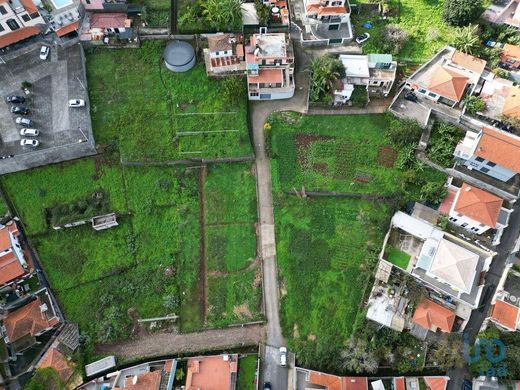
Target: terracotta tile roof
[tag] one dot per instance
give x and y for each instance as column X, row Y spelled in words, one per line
column 27, row 320
column 505, row 314
column 333, row 382
column 447, row 202
column 5, row 239
column 311, row 8
column 399, row 384
column 469, row 62
column 436, row 383
column 479, row 205
column 512, row 103
column 18, row 35
column 67, row 29
column 448, row 83
column 10, row 268
column 511, row 51
column 219, row 42
column 108, row 20
column 210, row 372
column 500, row 148
column 147, row 381
column 332, row 10
column 29, row 6
column 429, row 315
column 55, row 359
column 267, row 76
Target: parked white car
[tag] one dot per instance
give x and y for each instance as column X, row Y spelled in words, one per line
column 44, row 52
column 29, row 142
column 283, row 356
column 76, row 103
column 26, row 132
column 23, row 121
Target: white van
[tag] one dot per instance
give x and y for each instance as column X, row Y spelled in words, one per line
column 283, row 356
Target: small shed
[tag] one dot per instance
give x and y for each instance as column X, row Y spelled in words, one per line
column 179, row 56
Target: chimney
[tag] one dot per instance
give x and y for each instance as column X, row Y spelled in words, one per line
column 468, row 189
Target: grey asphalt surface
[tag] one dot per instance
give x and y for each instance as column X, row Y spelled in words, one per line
column 492, row 278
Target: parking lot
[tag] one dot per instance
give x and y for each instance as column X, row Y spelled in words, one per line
column 65, row 133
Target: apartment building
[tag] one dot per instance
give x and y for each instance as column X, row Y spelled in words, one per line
column 19, row 20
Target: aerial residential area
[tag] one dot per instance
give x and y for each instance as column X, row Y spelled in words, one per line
column 259, row 194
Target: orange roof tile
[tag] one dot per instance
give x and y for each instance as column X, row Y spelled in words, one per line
column 399, row 384
column 267, row 76
column 512, row 103
column 10, row 268
column 333, row 382
column 108, row 20
column 312, row 8
column 447, row 202
column 147, row 381
column 478, row 205
column 29, row 6
column 18, row 35
column 27, row 320
column 5, row 239
column 511, row 51
column 332, row 10
column 429, row 315
column 210, row 372
column 67, row 29
column 355, row 383
column 436, row 383
column 500, row 148
column 55, row 359
column 448, row 83
column 505, row 314
column 469, row 62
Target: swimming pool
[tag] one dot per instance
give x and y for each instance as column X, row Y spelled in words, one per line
column 61, row 3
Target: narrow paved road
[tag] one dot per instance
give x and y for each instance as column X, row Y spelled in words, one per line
column 271, row 371
column 171, row 344
column 492, row 278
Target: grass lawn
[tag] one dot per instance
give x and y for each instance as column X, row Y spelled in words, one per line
column 156, row 13
column 397, row 257
column 422, row 20
column 247, row 372
column 177, row 116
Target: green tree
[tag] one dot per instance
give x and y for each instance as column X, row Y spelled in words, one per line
column 324, row 71
column 359, row 357
column 466, row 39
column 448, row 352
column 263, row 12
column 45, row 379
column 433, row 192
column 461, row 12
column 393, row 39
column 223, row 14
column 474, row 104
column 404, row 132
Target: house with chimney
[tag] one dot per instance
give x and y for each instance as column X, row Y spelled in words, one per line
column 270, row 66
column 490, row 151
column 225, row 54
column 19, row 20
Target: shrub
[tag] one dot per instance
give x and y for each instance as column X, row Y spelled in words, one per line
column 359, row 96
column 324, row 71
column 404, row 132
column 461, row 12
column 393, row 39
column 433, row 192
column 442, row 143
column 45, row 379
column 263, row 12
column 466, row 39
column 474, row 104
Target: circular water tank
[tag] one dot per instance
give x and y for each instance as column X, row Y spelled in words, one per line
column 179, row 56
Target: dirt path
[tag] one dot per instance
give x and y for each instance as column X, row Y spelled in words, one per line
column 165, row 344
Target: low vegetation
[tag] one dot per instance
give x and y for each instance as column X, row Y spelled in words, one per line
column 443, row 140
column 196, row 16
column 247, row 372
column 155, row 13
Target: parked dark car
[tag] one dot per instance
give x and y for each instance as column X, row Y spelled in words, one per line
column 15, row 99
column 267, row 386
column 410, row 96
column 20, row 110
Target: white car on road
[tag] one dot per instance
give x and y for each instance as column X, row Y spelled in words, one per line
column 44, row 52
column 23, row 121
column 26, row 132
column 76, row 103
column 29, row 142
column 283, row 356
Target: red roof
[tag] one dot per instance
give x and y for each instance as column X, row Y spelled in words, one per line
column 399, row 383
column 67, row 29
column 436, row 383
column 333, row 382
column 55, row 359
column 332, row 11
column 505, row 314
column 106, row 20
column 29, row 6
column 500, row 148
column 448, row 83
column 10, row 268
column 27, row 320
column 18, row 35
column 267, row 76
column 478, row 205
column 447, row 202
column 431, row 315
column 5, row 239
column 210, row 372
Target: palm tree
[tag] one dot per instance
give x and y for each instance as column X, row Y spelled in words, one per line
column 324, row 71
column 223, row 14
column 466, row 39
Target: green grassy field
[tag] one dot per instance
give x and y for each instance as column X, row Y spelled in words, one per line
column 177, row 116
column 422, row 20
column 247, row 372
column 156, row 12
